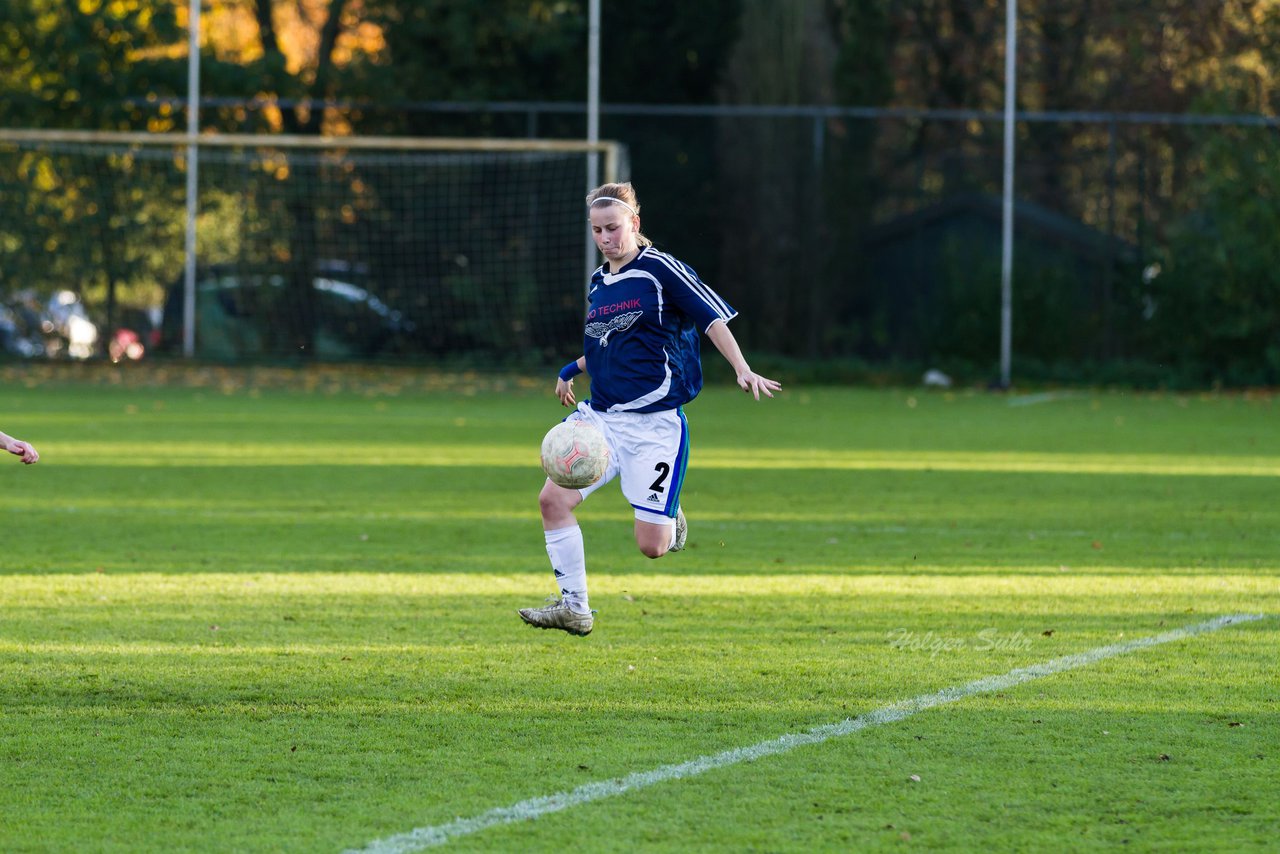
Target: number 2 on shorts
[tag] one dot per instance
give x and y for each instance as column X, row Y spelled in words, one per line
column 663, row 469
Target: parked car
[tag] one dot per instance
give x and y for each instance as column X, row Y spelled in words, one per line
column 57, row 327
column 244, row 313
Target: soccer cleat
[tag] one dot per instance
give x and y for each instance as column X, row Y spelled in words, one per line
column 682, row 531
column 558, row 615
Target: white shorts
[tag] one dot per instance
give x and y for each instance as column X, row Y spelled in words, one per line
column 650, row 450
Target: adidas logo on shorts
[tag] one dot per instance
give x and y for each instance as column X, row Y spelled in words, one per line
column 653, row 496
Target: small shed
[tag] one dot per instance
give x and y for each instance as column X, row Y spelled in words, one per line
column 932, row 282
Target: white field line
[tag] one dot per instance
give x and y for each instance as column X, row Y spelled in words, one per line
column 427, row 837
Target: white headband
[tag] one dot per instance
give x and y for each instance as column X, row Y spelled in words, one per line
column 615, row 201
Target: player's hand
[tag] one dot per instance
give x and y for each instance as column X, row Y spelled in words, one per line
column 23, row 451
column 754, row 384
column 564, row 391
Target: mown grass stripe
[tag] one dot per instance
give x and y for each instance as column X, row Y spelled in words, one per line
column 210, row 454
column 435, row 835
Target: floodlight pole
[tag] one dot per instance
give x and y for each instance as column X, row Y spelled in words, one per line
column 593, row 121
column 1006, row 238
column 193, row 165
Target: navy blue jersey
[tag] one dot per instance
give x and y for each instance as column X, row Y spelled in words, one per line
column 643, row 329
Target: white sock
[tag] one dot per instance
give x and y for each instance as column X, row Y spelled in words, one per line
column 569, row 561
column 673, row 535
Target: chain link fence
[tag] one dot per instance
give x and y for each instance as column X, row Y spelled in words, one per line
column 863, row 237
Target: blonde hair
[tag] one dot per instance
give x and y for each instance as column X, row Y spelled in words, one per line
column 625, row 195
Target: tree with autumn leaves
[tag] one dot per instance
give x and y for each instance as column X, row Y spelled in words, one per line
column 352, row 66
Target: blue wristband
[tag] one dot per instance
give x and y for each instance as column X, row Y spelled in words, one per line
column 570, row 371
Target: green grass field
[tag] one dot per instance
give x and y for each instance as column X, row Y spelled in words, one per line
column 248, row 615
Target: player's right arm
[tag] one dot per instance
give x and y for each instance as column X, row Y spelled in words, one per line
column 564, row 382
column 18, row 448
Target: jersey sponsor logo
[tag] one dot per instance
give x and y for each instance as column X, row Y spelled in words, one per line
column 612, row 308
column 621, row 323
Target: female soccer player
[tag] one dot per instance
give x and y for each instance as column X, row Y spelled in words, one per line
column 18, row 448
column 646, row 313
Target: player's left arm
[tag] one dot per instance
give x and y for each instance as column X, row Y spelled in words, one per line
column 748, row 380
